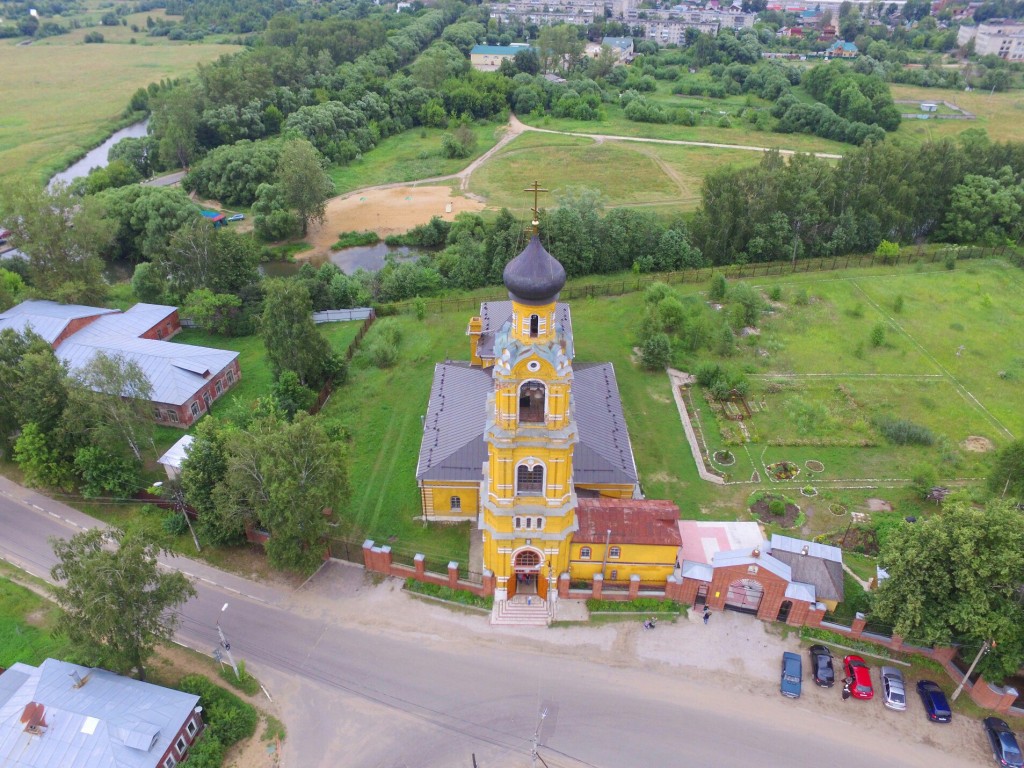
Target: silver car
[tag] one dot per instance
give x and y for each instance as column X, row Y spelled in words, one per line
column 893, row 693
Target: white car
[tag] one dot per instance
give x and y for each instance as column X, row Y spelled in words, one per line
column 894, row 695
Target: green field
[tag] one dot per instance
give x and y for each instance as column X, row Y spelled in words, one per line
column 998, row 114
column 26, row 620
column 62, row 98
column 820, row 384
column 615, row 123
column 408, row 156
column 671, row 175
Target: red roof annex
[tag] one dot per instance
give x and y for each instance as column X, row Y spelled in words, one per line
column 631, row 521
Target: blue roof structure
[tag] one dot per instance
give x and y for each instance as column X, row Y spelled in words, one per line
column 86, row 718
column 500, row 50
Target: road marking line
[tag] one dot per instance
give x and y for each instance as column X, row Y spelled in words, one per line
column 236, row 591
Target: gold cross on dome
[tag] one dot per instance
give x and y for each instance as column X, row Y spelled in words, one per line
column 536, row 189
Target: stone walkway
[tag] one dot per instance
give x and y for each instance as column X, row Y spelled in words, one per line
column 679, row 379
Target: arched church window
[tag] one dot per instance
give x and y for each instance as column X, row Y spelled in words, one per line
column 456, row 502
column 584, row 553
column 534, row 326
column 614, row 552
column 530, row 482
column 531, row 402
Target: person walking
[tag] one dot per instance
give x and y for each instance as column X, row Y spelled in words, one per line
column 707, row 614
column 846, row 691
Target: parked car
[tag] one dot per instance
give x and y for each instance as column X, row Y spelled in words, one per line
column 792, row 673
column 821, row 666
column 1005, row 749
column 236, row 217
column 934, row 700
column 894, row 694
column 4, row 234
column 860, row 674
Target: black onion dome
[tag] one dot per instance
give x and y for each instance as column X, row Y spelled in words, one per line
column 534, row 275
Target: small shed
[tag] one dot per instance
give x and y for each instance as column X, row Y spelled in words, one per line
column 928, row 106
column 217, row 219
column 174, row 457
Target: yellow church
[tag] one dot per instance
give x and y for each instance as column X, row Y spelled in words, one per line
column 535, row 449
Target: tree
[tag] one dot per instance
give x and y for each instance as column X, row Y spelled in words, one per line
column 61, row 235
column 305, row 186
column 145, row 219
column 956, row 578
column 110, row 401
column 117, row 604
column 174, row 125
column 200, row 256
column 283, row 476
column 1007, row 476
column 291, row 337
column 212, row 312
column 656, row 351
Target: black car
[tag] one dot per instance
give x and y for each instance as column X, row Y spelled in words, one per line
column 1005, row 749
column 821, row 666
column 934, row 700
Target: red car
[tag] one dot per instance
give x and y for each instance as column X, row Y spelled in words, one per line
column 858, row 671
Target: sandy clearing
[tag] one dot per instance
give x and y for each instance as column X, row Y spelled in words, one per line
column 386, row 212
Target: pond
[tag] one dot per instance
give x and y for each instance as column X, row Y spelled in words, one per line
column 368, row 257
column 97, row 158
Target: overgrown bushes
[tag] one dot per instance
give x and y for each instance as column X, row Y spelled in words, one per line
column 228, row 720
column 640, row 605
column 459, row 596
column 903, row 432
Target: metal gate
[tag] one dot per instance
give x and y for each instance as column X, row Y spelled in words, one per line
column 744, row 596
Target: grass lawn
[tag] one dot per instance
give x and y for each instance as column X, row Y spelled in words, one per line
column 999, row 114
column 61, row 98
column 616, row 124
column 26, row 620
column 408, row 156
column 820, row 383
column 664, row 175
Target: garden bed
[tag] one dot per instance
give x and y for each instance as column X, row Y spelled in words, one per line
column 783, row 470
column 764, row 509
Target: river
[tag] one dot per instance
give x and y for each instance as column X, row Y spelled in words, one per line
column 97, row 158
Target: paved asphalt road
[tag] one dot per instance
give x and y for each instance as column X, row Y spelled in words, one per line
column 361, row 697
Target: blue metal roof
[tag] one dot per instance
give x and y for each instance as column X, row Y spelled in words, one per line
column 108, row 722
column 500, row 50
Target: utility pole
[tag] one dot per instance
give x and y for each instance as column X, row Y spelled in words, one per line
column 981, row 652
column 226, row 645
column 604, row 562
column 534, row 756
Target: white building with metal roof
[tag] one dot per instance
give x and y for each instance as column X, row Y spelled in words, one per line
column 61, row 715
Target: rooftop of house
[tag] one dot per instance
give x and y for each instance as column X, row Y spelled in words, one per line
column 177, row 453
column 61, row 715
column 701, row 539
column 631, row 521
column 47, row 319
column 500, row 50
column 175, row 371
column 811, row 563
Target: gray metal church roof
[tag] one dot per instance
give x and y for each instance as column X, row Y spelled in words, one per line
column 453, row 446
column 109, row 722
column 534, row 275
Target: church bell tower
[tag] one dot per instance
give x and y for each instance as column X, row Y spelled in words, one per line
column 528, row 502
